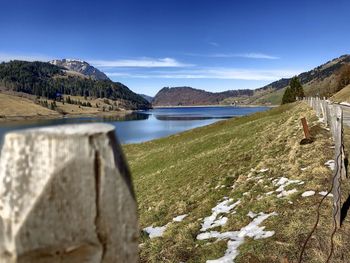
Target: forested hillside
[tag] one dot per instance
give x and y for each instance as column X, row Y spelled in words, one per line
column 187, row 96
column 50, row 81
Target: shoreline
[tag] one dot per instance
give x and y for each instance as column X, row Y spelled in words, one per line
column 10, row 119
column 218, row 105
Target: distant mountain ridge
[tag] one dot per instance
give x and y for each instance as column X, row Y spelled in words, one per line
column 81, row 67
column 318, row 81
column 187, row 96
column 321, row 72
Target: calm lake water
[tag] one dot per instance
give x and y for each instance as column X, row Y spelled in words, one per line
column 147, row 125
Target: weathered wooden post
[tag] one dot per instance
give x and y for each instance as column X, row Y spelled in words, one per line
column 306, row 129
column 66, row 196
column 339, row 164
column 325, row 112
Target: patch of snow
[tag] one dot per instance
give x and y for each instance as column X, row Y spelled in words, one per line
column 323, row 193
column 330, row 164
column 285, row 193
column 236, row 238
column 259, row 197
column 263, row 170
column 282, row 183
column 251, row 214
column 179, row 218
column 304, row 168
column 155, row 231
column 308, row 193
column 223, row 207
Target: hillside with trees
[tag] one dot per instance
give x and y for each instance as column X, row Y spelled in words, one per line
column 324, row 80
column 187, row 96
column 50, row 81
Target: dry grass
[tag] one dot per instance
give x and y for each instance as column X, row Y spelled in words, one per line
column 342, row 95
column 180, row 174
column 13, row 106
column 19, row 106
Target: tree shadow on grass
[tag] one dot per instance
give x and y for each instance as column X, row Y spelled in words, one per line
column 346, row 206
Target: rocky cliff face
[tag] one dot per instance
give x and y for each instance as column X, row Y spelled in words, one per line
column 80, row 67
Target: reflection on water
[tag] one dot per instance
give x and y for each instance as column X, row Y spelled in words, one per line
column 187, row 118
column 145, row 125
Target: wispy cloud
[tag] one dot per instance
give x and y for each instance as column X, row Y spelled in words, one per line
column 235, row 55
column 213, row 73
column 141, row 63
column 214, row 44
column 4, row 57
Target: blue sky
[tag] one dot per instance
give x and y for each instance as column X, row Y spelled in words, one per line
column 212, row 45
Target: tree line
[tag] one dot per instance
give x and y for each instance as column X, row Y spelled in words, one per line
column 50, row 81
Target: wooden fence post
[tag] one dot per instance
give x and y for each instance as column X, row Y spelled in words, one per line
column 305, row 128
column 66, row 196
column 338, row 164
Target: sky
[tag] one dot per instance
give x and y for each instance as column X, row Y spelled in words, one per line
column 147, row 45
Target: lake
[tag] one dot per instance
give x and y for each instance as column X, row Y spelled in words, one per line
column 143, row 126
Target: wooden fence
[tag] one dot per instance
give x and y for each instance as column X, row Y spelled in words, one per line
column 66, row 196
column 332, row 116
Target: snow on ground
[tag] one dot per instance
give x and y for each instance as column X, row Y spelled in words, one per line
column 179, row 218
column 323, row 193
column 158, row 231
column 308, row 193
column 251, row 214
column 236, row 238
column 283, row 182
column 223, row 207
column 155, row 231
column 285, row 193
column 263, row 170
column 330, row 164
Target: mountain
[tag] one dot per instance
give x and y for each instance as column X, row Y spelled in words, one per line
column 50, row 81
column 80, row 67
column 187, row 96
column 321, row 81
column 146, row 97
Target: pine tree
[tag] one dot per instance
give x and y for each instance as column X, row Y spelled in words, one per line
column 295, row 90
column 296, row 87
column 288, row 96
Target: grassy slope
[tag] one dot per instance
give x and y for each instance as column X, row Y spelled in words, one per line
column 181, row 174
column 342, row 95
column 13, row 106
